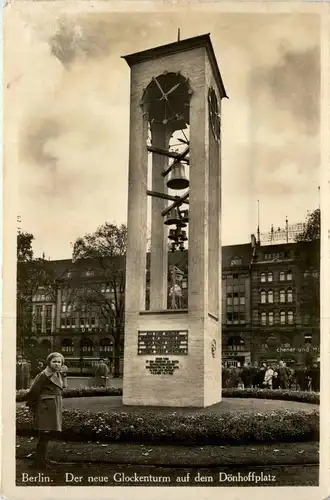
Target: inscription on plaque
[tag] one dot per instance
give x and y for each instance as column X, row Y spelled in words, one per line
column 162, row 366
column 163, row 342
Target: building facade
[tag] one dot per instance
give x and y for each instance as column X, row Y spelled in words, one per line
column 270, row 306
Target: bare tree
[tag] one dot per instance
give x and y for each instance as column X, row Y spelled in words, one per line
column 104, row 292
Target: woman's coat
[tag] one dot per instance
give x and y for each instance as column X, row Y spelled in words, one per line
column 45, row 399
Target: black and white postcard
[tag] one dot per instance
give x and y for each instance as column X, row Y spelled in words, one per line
column 166, row 254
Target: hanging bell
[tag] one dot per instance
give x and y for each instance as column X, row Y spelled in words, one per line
column 184, row 236
column 171, row 234
column 173, row 246
column 178, row 179
column 185, row 216
column 181, row 247
column 173, row 217
column 181, row 224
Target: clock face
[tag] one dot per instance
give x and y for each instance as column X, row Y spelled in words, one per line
column 214, row 114
column 167, row 98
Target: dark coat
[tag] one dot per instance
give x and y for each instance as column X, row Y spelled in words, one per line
column 19, row 376
column 45, row 400
column 26, row 369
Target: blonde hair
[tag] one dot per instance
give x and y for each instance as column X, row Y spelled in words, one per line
column 54, row 355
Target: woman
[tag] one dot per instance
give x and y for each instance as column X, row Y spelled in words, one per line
column 45, row 400
column 268, row 380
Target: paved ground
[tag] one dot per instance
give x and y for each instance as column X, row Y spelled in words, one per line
column 105, row 403
column 175, row 455
column 148, row 475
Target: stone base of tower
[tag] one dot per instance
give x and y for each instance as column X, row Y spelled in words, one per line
column 177, row 380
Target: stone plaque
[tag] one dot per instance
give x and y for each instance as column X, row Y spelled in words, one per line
column 163, row 342
column 162, row 366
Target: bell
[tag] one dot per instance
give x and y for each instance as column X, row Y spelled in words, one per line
column 184, row 236
column 173, row 245
column 185, row 216
column 173, row 217
column 181, row 224
column 178, row 179
column 181, row 247
column 171, row 234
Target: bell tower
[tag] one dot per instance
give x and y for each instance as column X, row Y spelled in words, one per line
column 172, row 348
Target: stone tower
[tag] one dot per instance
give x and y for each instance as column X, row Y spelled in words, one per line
column 172, row 357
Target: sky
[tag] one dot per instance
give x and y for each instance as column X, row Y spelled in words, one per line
column 67, row 89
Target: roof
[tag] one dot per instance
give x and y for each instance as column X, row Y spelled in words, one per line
column 244, row 251
column 180, row 46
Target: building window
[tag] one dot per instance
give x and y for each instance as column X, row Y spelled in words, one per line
column 282, row 276
column 184, row 283
column 67, row 346
column 282, row 317
column 289, row 295
column 290, row 317
column 306, row 274
column 242, row 300
column 92, row 321
column 270, row 276
column 263, row 296
column 229, row 300
column 63, row 322
column 89, row 272
column 236, row 343
column 236, row 261
column 289, row 276
column 87, row 345
column 306, row 319
column 106, row 345
column 282, row 296
column 82, row 322
column 39, row 319
column 263, row 318
column 49, row 319
column 263, row 277
column 307, row 338
column 270, row 318
column 63, row 308
column 270, row 296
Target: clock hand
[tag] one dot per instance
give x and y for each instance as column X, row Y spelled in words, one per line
column 160, row 88
column 170, row 91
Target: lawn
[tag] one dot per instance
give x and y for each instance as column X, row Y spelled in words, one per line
column 104, row 403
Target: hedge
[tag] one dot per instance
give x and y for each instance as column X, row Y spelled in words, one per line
column 80, row 392
column 280, row 394
column 286, row 395
column 172, row 428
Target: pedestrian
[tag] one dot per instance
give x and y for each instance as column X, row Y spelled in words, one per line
column 276, row 379
column 26, row 373
column 246, row 375
column 268, row 380
column 283, row 374
column 101, row 374
column 45, row 401
column 64, row 375
column 261, row 375
column 315, row 377
column 255, row 374
column 40, row 366
column 19, row 372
